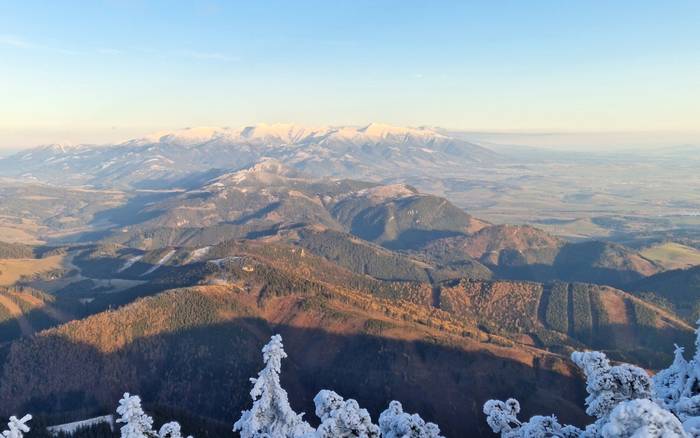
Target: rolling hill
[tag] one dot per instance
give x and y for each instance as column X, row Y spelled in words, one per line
column 672, row 255
column 527, row 253
column 273, row 200
column 270, row 197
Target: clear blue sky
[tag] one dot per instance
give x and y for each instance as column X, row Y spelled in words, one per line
column 101, row 70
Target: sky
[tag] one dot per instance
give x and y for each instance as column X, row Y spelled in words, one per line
column 103, row 71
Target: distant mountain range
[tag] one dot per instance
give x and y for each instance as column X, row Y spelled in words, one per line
column 162, row 159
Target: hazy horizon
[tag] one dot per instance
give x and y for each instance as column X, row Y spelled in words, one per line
column 560, row 140
column 108, row 71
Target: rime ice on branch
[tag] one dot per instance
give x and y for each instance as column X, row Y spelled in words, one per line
column 502, row 417
column 16, row 428
column 395, row 423
column 607, row 386
column 137, row 424
column 641, row 418
column 170, row 430
column 342, row 418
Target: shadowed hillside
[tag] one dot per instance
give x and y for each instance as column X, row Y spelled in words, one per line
column 678, row 289
column 527, row 253
column 24, row 311
column 195, row 349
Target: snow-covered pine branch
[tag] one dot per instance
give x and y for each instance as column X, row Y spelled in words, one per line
column 170, row 430
column 395, row 423
column 669, row 384
column 502, row 417
column 137, row 424
column 608, row 386
column 641, row 418
column 342, row 418
column 17, row 427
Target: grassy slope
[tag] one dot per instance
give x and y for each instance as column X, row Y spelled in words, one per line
column 12, row 270
column 672, row 255
column 679, row 288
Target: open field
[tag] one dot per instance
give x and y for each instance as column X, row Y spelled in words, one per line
column 12, row 270
column 578, row 196
column 673, row 255
column 17, row 235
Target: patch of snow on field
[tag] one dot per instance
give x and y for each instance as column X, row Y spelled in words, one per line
column 220, row 262
column 160, row 263
column 197, row 254
column 129, row 263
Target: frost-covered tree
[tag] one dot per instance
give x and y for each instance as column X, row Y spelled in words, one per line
column 170, row 430
column 342, row 418
column 668, row 385
column 395, row 423
column 137, row 424
column 677, row 388
column 541, row 427
column 502, row 417
column 607, row 385
column 271, row 414
column 17, row 427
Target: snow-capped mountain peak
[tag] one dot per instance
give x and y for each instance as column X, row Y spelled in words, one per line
column 266, row 171
column 279, row 132
column 379, row 131
column 187, row 135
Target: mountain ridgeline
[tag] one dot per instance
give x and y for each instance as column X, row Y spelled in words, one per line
column 166, row 158
column 273, row 201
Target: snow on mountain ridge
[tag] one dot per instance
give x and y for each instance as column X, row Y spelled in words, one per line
column 185, row 136
column 289, row 133
column 370, row 151
column 380, row 131
column 284, row 132
column 391, row 191
column 267, row 170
